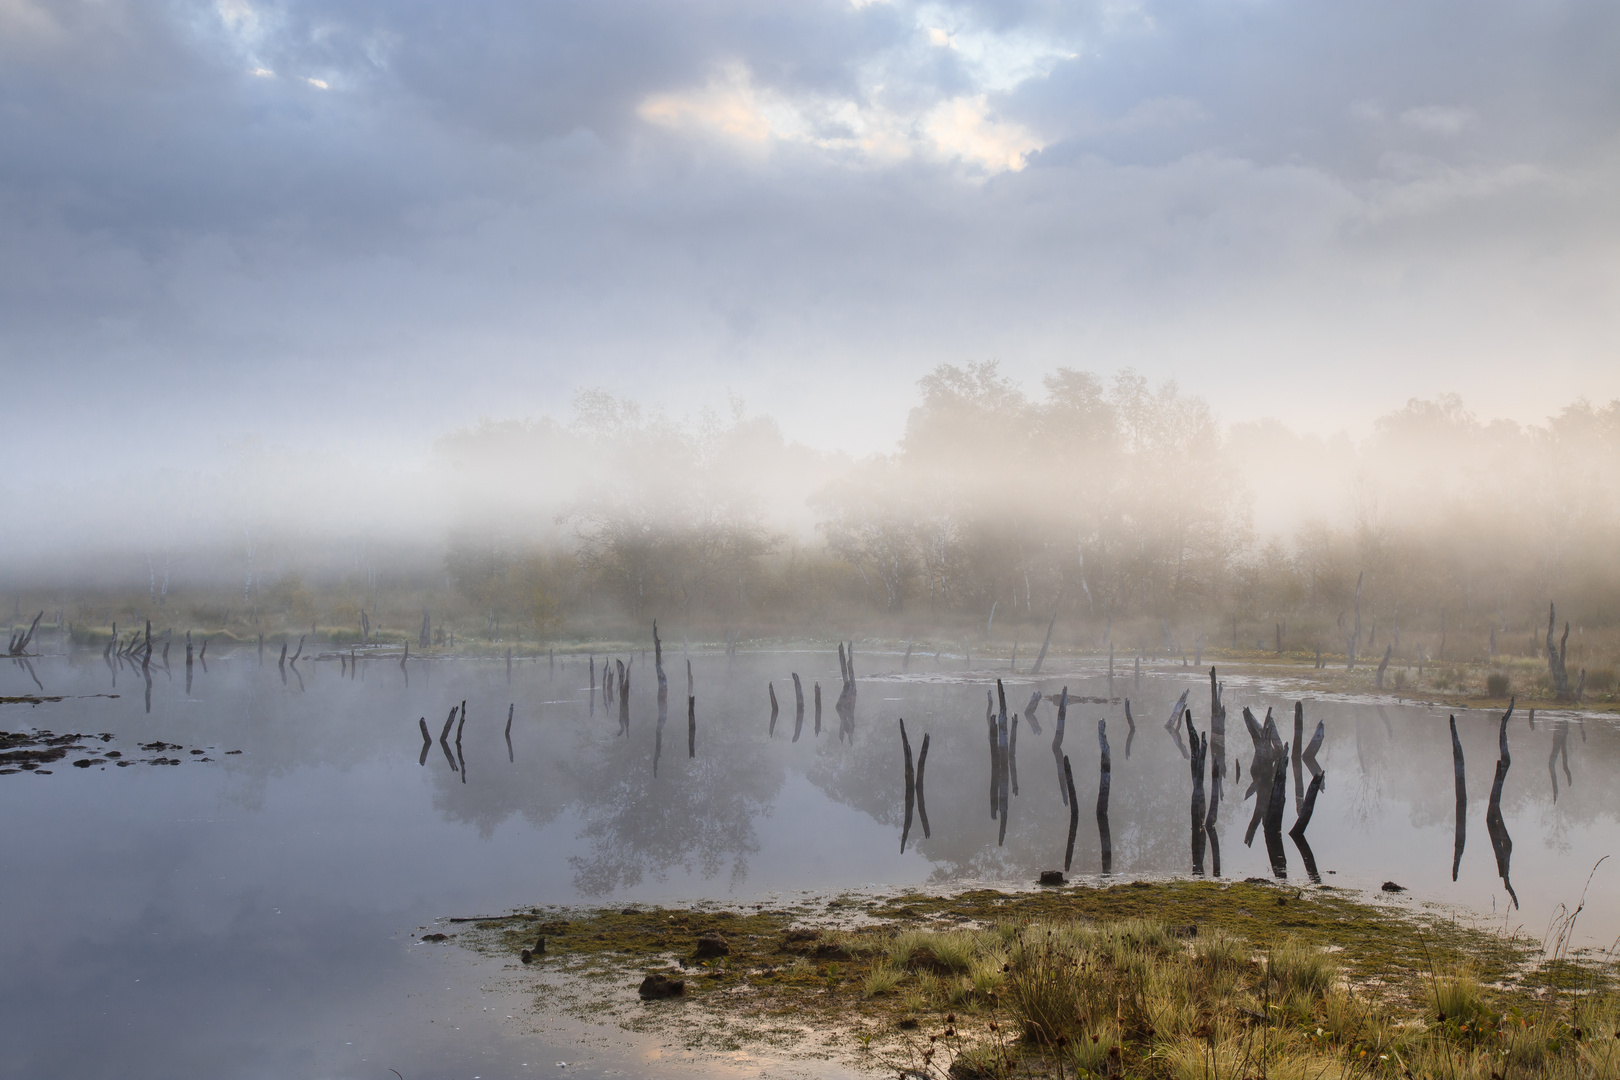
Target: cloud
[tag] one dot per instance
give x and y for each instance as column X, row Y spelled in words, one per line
column 502, row 201
column 1439, row 119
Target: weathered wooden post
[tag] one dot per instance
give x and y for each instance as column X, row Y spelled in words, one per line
column 911, row 786
column 798, row 706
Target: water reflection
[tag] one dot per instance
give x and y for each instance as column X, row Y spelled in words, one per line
column 1461, row 838
column 1104, row 783
column 626, row 818
column 1501, row 842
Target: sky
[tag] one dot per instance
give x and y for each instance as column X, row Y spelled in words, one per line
column 349, row 226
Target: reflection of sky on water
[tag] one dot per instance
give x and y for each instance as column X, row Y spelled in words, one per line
column 267, row 900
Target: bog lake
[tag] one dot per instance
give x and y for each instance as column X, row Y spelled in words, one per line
column 237, row 882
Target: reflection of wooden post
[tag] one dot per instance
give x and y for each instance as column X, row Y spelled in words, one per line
column 911, row 786
column 1104, row 782
column 1002, row 778
column 771, row 687
column 1074, row 814
column 922, row 807
column 818, row 709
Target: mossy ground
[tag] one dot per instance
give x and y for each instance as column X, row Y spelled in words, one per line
column 924, row 982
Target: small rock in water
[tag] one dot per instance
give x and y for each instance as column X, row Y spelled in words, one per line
column 710, row 946
column 662, row 986
column 1390, row 886
column 435, row 937
column 1053, row 877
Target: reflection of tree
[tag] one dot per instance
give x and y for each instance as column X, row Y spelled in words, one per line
column 696, row 815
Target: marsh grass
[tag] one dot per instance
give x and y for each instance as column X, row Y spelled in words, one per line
column 1088, row 983
column 881, row 979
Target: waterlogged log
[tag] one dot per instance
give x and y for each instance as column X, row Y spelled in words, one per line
column 691, row 726
column 1217, row 730
column 818, row 710
column 1130, row 733
column 510, row 709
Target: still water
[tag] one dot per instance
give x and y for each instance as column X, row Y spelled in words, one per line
column 259, row 913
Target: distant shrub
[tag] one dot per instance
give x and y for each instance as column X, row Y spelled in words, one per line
column 1400, row 679
column 1496, row 684
column 1600, row 680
